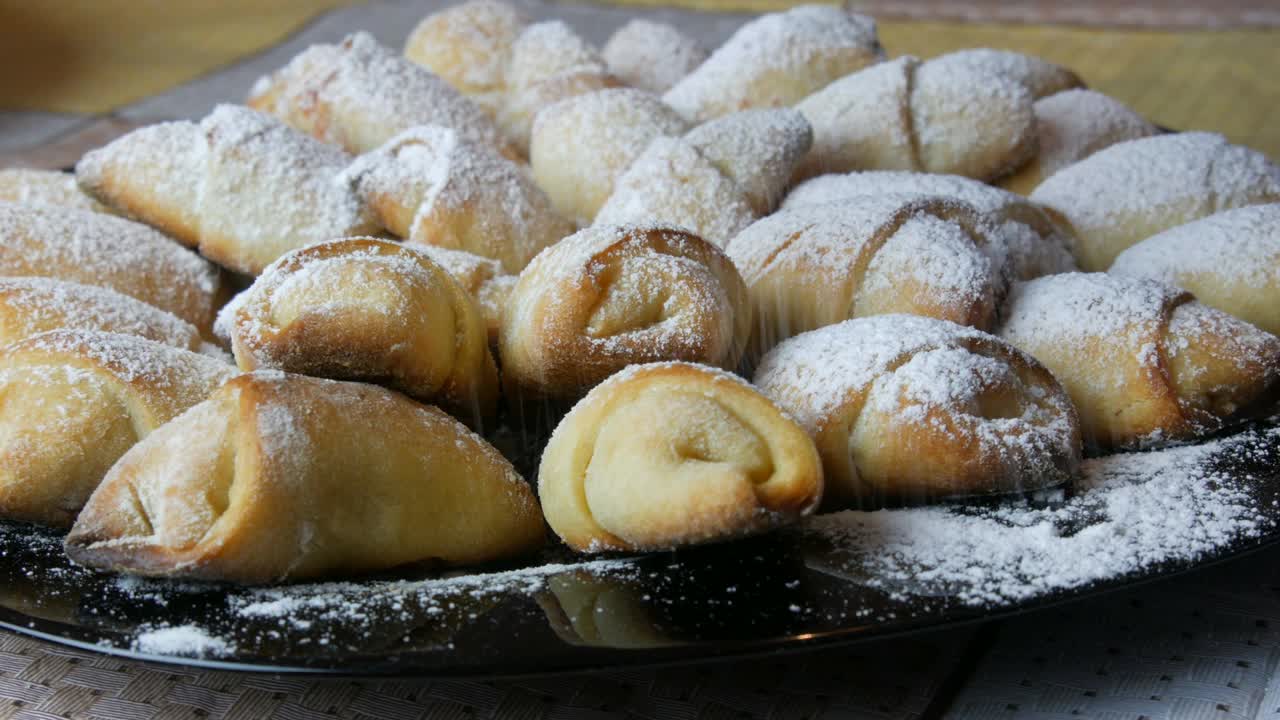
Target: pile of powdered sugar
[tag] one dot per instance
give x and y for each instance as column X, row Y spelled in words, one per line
column 184, row 640
column 1131, row 512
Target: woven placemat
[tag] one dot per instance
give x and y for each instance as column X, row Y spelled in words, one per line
column 893, row 680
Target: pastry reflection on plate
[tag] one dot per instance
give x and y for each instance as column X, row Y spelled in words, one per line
column 586, row 609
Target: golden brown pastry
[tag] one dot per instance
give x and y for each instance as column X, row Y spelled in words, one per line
column 482, row 278
column 666, row 455
column 73, row 401
column 45, row 187
column 582, row 145
column 239, row 186
column 775, row 60
column 1143, row 361
column 608, row 297
column 1040, row 77
column 1071, row 126
column 817, row 265
column 652, row 56
column 431, row 187
column 1027, row 243
column 32, row 305
column 912, row 408
column 549, row 63
column 717, row 179
column 283, row 477
column 371, row 310
column 111, row 252
column 1230, row 260
column 469, row 46
column 358, row 94
column 930, row 117
column 1133, row 190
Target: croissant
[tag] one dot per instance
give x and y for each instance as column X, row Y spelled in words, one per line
column 817, row 265
column 1040, row 77
column 1231, row 261
column 549, row 63
column 1027, row 243
column 775, row 60
column 433, row 188
column 73, row 401
column 239, row 186
column 651, row 56
column 1070, row 127
column 608, row 297
column 581, row 145
column 283, row 477
column 1143, row 361
column 111, row 252
column 908, row 408
column 372, row 310
column 672, row 454
column 45, row 187
column 33, row 305
column 1133, row 190
column 715, row 180
column 931, row 117
column 469, row 46
column 482, row 278
column 358, row 94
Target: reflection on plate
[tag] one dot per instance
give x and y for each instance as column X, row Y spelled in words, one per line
column 839, row 577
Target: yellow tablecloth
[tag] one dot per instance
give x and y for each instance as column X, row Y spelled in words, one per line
column 90, row 56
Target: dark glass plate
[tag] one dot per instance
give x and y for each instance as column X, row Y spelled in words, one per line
column 787, row 591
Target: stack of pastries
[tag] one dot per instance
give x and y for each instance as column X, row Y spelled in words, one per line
column 746, row 284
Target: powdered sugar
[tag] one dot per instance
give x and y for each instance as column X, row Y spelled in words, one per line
column 183, row 640
column 651, row 55
column 938, row 257
column 1131, row 512
column 44, row 187
column 1067, row 310
column 757, row 149
column 130, row 359
column 775, row 60
column 1075, row 124
column 1040, row 77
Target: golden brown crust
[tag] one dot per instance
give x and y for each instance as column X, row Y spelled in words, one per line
column 907, row 408
column 671, row 454
column 371, row 310
column 483, row 279
column 72, row 402
column 111, row 252
column 281, row 477
column 609, row 297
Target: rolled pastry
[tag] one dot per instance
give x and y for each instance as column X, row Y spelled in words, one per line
column 469, row 46
column 284, row 477
column 666, row 455
column 775, row 60
column 371, row 310
column 482, row 278
column 608, row 297
column 717, row 179
column 652, row 56
column 239, row 186
column 358, row 94
column 1071, row 126
column 1040, row 77
column 111, row 252
column 73, row 401
column 580, row 146
column 1231, row 261
column 549, row 63
column 431, row 187
column 1027, row 243
column 1133, row 190
column 45, row 187
column 1143, row 361
column 930, row 117
column 33, row 305
column 912, row 408
column 817, row 265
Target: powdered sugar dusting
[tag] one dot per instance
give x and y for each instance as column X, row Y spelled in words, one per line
column 1075, row 124
column 1040, row 77
column 1130, row 512
column 44, row 187
column 757, row 149
column 183, row 640
column 651, row 55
